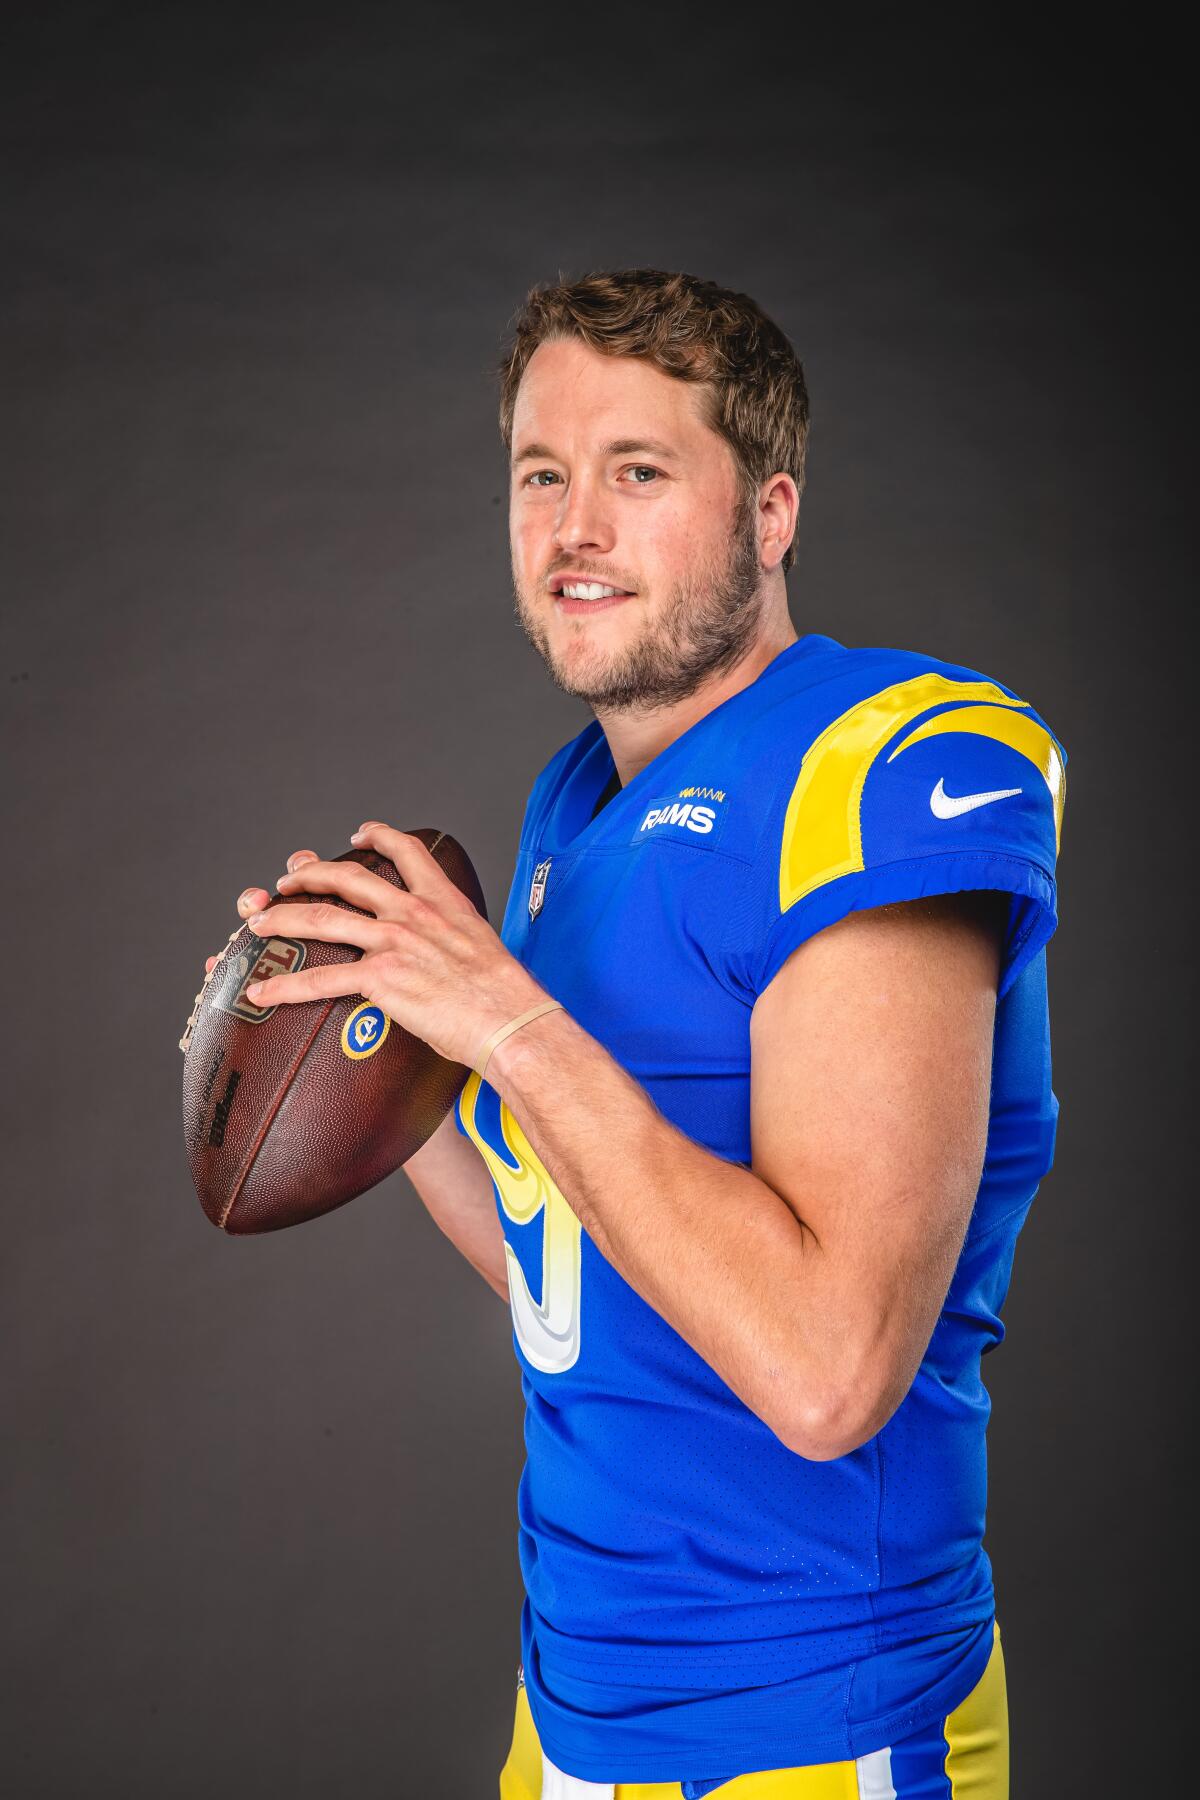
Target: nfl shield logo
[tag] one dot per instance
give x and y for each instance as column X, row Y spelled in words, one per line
column 537, row 888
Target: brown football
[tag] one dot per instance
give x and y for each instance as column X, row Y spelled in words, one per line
column 293, row 1110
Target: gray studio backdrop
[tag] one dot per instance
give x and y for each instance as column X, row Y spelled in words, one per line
column 259, row 1496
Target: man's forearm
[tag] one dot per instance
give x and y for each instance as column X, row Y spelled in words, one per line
column 457, row 1193
column 708, row 1245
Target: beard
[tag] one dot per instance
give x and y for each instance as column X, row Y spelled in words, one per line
column 706, row 627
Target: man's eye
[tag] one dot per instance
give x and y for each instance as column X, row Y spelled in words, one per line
column 536, row 478
column 639, row 469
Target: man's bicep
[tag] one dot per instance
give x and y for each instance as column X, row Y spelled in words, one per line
column 870, row 1080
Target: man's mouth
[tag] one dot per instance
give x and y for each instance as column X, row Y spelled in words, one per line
column 586, row 596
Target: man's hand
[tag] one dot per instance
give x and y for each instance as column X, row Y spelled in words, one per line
column 429, row 959
column 252, row 900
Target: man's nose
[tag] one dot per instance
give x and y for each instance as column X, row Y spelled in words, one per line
column 583, row 522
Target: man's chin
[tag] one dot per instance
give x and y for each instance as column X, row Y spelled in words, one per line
column 578, row 661
column 580, row 669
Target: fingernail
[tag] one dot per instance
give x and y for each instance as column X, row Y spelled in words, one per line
column 256, row 919
column 254, row 990
column 356, row 837
column 243, row 898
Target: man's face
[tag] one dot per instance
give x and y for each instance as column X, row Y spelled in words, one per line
column 617, row 479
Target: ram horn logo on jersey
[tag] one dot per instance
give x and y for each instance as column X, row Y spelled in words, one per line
column 537, row 888
column 695, row 815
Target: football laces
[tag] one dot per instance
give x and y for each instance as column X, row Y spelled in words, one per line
column 186, row 1039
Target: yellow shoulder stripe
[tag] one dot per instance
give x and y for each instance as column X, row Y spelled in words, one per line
column 822, row 830
column 1018, row 731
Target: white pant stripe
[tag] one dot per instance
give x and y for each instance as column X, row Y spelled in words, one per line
column 875, row 1776
column 556, row 1785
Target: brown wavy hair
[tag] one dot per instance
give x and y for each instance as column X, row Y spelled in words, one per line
column 756, row 395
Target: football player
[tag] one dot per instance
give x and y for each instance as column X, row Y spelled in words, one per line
column 760, row 1096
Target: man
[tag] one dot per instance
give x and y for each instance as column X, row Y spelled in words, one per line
column 760, row 1096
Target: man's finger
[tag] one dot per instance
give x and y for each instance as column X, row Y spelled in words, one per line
column 419, row 869
column 300, row 856
column 328, row 983
column 329, row 924
column 252, row 900
column 349, row 881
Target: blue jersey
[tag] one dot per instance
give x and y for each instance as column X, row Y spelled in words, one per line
column 702, row 1601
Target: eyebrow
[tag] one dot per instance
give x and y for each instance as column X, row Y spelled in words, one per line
column 618, row 447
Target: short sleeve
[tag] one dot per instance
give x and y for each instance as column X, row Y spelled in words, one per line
column 895, row 801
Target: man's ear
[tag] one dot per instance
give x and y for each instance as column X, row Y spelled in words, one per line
column 778, row 506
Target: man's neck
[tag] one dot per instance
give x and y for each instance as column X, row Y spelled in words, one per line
column 636, row 738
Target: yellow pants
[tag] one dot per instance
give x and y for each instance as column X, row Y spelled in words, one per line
column 963, row 1757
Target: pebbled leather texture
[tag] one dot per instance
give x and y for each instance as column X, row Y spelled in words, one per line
column 281, row 1125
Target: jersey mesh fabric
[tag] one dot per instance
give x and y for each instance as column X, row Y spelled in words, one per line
column 700, row 1599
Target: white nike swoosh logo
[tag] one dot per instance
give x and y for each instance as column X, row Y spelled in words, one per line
column 950, row 806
